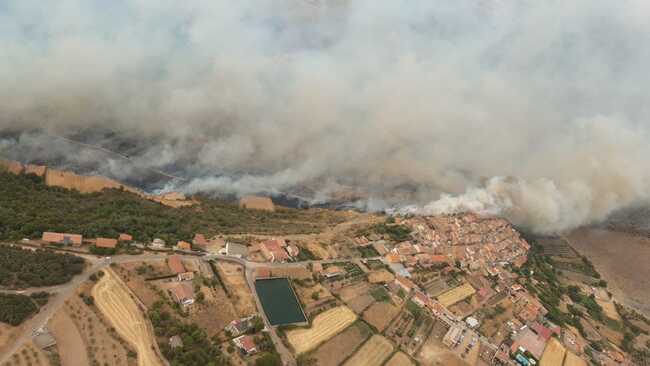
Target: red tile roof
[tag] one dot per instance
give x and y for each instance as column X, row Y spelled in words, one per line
column 106, row 243
column 125, row 237
column 184, row 245
column 62, row 238
column 199, row 239
column 182, row 292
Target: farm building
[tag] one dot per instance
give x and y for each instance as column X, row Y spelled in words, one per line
column 158, row 244
column 452, row 337
column 62, row 238
column 236, row 250
column 530, row 342
column 125, row 237
column 175, row 342
column 240, row 326
column 183, row 245
column 273, row 250
column 106, row 243
column 183, row 293
column 199, row 240
column 246, row 343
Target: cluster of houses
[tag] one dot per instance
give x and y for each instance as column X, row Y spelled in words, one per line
column 77, row 240
column 278, row 250
column 484, row 250
column 464, row 240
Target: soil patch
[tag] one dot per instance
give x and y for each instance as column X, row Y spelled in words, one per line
column 337, row 349
column 380, row 314
column 399, row 359
column 72, row 350
column 373, row 353
column 622, row 259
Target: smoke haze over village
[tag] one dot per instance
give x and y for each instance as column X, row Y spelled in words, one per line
column 536, row 111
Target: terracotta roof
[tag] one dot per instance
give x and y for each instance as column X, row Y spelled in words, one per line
column 62, row 238
column 183, row 245
column 182, row 291
column 175, row 264
column 106, row 243
column 125, row 237
column 246, row 342
column 199, row 239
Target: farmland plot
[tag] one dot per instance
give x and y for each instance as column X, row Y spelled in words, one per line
column 372, row 353
column 324, row 327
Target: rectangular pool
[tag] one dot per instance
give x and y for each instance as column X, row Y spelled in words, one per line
column 279, row 301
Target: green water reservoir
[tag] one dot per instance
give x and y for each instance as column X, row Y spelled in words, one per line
column 279, row 301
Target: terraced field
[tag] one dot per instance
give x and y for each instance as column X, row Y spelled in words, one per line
column 325, row 326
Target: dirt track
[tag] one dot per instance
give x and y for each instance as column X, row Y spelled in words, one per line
column 115, row 303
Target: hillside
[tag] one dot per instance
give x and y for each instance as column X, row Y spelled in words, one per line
column 28, row 207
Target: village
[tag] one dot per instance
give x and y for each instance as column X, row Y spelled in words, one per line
column 409, row 290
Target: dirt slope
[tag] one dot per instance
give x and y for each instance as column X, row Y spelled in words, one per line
column 115, row 302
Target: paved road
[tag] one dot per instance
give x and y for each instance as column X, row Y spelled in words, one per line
column 63, row 292
column 60, row 294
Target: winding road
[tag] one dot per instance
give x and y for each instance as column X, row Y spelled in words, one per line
column 61, row 293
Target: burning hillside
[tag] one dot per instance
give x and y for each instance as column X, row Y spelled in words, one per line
column 449, row 107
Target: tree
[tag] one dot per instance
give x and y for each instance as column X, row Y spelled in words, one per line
column 200, row 297
column 269, row 359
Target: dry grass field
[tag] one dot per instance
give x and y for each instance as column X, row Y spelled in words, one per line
column 324, row 327
column 305, row 294
column 234, row 280
column 72, row 350
column 573, row 360
column 553, row 353
column 434, row 353
column 356, row 296
column 373, row 353
column 380, row 314
column 28, row 355
column 215, row 312
column 7, row 334
column 114, row 301
column 622, row 259
column 102, row 344
column 456, row 294
column 380, row 276
column 337, row 349
column 609, row 309
column 399, row 359
column 318, row 250
column 496, row 328
column 141, row 288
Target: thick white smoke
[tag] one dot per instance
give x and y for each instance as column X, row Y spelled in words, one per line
column 536, row 110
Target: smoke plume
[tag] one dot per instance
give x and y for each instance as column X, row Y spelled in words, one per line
column 535, row 110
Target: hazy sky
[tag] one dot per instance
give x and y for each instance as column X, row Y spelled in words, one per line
column 537, row 110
